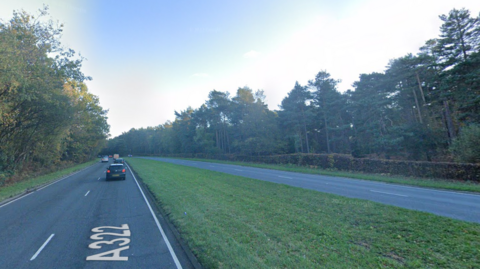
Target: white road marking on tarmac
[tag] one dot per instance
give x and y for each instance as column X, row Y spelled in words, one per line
column 23, row 196
column 16, row 200
column 42, row 247
column 164, row 236
column 389, row 193
column 87, row 193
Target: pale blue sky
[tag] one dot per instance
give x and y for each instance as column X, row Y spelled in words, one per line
column 149, row 58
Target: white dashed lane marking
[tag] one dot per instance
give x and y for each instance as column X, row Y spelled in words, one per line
column 42, row 247
column 389, row 193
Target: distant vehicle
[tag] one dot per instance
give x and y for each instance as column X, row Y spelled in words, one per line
column 109, row 156
column 116, row 170
column 105, row 159
column 99, row 156
column 115, row 156
column 119, row 160
column 130, row 155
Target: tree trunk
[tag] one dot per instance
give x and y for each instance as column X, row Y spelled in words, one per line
column 306, row 138
column 420, row 88
column 305, row 129
column 418, row 106
column 448, row 117
column 326, row 131
column 301, row 142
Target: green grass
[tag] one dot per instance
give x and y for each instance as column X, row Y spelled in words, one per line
column 236, row 222
column 20, row 187
column 420, row 182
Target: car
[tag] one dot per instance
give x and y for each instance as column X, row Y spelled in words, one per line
column 109, row 156
column 105, row 159
column 116, row 170
column 119, row 160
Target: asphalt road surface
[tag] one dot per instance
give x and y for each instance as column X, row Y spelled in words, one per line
column 457, row 205
column 84, row 221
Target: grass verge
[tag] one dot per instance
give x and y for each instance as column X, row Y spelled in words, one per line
column 236, row 222
column 419, row 182
column 20, row 187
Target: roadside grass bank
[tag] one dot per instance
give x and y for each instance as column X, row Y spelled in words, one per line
column 419, row 182
column 236, row 222
column 21, row 186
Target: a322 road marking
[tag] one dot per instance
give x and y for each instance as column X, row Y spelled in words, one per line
column 115, row 254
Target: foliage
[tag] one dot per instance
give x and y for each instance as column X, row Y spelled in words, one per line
column 466, row 147
column 411, row 111
column 46, row 113
column 294, row 117
column 434, row 170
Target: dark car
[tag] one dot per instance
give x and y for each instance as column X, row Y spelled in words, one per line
column 116, row 170
column 119, row 160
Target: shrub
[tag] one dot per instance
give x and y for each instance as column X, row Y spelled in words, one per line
column 466, row 147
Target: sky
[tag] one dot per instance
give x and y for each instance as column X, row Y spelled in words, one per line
column 150, row 58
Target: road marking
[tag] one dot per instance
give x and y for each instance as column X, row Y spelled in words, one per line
column 115, row 255
column 87, row 193
column 446, row 191
column 56, row 181
column 98, row 179
column 286, row 177
column 389, row 193
column 238, row 170
column 16, row 199
column 42, row 247
column 170, row 249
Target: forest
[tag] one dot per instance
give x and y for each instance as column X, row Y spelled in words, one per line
column 423, row 107
column 48, row 119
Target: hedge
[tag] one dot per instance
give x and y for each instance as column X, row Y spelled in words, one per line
column 440, row 170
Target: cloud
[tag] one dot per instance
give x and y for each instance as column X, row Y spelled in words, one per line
column 251, row 54
column 200, row 75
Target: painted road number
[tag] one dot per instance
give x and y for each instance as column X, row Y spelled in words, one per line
column 112, row 255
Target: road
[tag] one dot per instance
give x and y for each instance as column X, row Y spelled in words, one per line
column 84, row 221
column 457, row 205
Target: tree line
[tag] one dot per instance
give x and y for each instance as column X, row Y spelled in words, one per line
column 47, row 115
column 423, row 107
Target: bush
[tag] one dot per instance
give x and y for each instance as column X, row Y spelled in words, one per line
column 466, row 147
column 451, row 171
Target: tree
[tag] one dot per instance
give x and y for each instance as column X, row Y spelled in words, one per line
column 295, row 115
column 218, row 104
column 34, row 113
column 185, row 130
column 330, row 105
column 47, row 115
column 459, row 37
column 373, row 117
column 88, row 127
column 253, row 123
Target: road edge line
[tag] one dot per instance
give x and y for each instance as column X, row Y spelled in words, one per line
column 164, row 236
column 27, row 192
